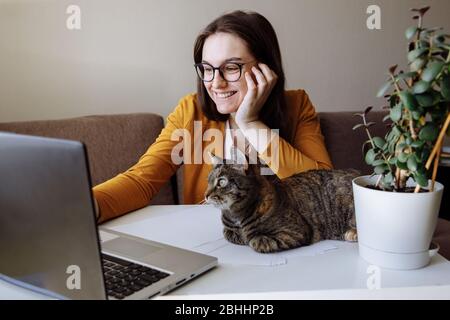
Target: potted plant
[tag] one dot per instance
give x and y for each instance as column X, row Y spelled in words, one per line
column 397, row 206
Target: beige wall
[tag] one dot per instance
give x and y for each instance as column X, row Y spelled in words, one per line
column 136, row 55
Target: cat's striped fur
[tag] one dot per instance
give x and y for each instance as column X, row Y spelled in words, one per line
column 270, row 214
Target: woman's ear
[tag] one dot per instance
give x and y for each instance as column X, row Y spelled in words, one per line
column 215, row 160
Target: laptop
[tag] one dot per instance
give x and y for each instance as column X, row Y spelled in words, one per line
column 49, row 240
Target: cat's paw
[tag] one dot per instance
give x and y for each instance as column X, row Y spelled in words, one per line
column 263, row 244
column 232, row 236
column 351, row 235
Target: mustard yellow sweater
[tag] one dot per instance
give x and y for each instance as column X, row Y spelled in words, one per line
column 134, row 188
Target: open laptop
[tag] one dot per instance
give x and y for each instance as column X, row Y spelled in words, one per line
column 49, row 241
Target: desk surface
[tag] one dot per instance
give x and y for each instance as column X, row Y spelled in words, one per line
column 321, row 273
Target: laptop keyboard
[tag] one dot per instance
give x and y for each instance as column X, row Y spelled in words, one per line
column 123, row 278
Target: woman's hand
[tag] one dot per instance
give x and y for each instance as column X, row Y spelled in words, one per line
column 257, row 93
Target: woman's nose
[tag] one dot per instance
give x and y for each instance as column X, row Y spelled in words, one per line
column 218, row 81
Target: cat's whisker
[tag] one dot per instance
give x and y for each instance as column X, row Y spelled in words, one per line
column 202, row 202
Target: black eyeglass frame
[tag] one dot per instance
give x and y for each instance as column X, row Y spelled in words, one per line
column 239, row 64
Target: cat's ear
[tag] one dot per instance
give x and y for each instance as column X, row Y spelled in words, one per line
column 215, row 160
column 238, row 158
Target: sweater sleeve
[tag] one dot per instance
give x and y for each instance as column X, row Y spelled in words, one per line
column 134, row 188
column 308, row 150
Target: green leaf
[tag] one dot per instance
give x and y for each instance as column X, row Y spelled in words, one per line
column 414, row 54
column 379, row 142
column 417, row 64
column 418, row 157
column 370, row 156
column 445, row 87
column 401, row 165
column 410, row 32
column 408, row 100
column 392, row 160
column 378, row 162
column 432, row 70
column 396, row 132
column 421, row 87
column 380, row 169
column 420, row 179
column 401, row 146
column 412, row 163
column 429, row 132
column 383, row 89
column 424, row 100
column 396, row 112
column 436, row 97
column 417, row 144
column 389, row 178
column 406, row 75
column 402, row 157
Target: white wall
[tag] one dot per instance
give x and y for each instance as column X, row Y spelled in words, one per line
column 136, row 55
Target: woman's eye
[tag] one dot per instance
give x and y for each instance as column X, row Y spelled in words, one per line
column 222, row 183
column 231, row 69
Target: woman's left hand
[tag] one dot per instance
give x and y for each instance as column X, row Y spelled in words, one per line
column 257, row 93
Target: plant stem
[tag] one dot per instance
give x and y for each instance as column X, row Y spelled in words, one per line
column 438, row 142
column 435, row 167
column 373, row 147
column 397, row 179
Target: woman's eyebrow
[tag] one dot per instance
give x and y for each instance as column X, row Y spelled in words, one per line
column 227, row 60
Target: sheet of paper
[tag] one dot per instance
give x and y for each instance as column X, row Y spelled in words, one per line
column 105, row 236
column 200, row 229
column 244, row 255
column 186, row 229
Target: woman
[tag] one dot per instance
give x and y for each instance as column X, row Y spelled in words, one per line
column 241, row 87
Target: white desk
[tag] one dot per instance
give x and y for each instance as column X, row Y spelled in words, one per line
column 335, row 274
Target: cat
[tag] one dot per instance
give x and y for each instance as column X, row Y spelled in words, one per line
column 272, row 215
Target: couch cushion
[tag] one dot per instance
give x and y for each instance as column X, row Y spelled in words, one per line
column 344, row 144
column 114, row 142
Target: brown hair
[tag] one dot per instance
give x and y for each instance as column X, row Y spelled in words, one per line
column 262, row 42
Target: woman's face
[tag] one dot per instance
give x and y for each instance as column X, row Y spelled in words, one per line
column 218, row 49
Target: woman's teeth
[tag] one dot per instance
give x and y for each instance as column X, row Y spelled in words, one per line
column 225, row 95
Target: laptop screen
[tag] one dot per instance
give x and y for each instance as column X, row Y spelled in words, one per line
column 48, row 236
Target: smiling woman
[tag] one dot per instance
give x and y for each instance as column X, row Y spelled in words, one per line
column 240, row 91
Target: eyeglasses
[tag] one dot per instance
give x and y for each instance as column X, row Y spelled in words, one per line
column 229, row 71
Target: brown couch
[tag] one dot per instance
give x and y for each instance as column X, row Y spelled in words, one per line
column 115, row 142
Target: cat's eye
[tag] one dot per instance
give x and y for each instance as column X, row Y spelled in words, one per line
column 222, row 182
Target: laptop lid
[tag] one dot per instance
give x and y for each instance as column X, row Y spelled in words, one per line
column 46, row 238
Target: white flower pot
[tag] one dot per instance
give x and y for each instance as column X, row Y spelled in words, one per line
column 395, row 228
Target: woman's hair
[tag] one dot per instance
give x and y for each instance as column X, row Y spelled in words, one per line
column 262, row 42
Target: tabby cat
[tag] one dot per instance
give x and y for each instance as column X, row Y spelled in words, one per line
column 271, row 215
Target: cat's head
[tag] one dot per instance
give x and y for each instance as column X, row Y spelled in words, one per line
column 231, row 184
